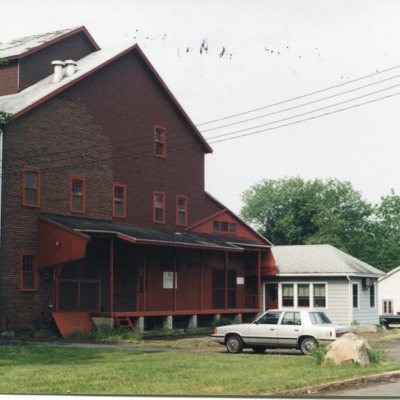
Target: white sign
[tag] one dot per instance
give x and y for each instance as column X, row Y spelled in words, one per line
column 168, row 280
column 240, row 280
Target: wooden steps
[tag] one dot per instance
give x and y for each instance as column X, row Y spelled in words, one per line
column 123, row 323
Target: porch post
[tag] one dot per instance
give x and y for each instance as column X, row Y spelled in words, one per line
column 174, row 284
column 200, row 280
column 258, row 278
column 111, row 275
column 144, row 280
column 226, row 280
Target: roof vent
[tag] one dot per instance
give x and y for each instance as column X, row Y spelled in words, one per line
column 58, row 70
column 70, row 67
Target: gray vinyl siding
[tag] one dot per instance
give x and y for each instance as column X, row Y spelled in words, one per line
column 365, row 314
column 337, row 308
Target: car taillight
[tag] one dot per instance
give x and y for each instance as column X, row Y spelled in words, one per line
column 330, row 333
column 215, row 331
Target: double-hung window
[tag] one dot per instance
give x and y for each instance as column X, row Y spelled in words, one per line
column 77, row 194
column 160, row 142
column 28, row 280
column 119, row 200
column 31, row 187
column 303, row 295
column 319, row 295
column 159, row 207
column 287, row 295
column 181, row 210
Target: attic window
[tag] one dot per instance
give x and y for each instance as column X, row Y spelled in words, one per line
column 224, row 226
column 160, row 142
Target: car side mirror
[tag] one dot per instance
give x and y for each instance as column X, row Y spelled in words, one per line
column 256, row 322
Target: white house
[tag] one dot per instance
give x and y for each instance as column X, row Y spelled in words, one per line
column 325, row 278
column 389, row 293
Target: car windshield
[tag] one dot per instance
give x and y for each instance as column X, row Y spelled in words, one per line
column 318, row 318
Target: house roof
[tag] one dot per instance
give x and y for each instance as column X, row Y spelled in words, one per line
column 22, row 102
column 390, row 273
column 21, row 47
column 320, row 260
column 150, row 236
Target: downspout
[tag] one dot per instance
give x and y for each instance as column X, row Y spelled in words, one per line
column 350, row 299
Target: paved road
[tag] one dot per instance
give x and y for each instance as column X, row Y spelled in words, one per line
column 389, row 388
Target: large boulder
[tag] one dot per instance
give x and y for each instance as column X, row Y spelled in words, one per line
column 348, row 349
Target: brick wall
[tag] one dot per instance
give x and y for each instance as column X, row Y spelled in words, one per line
column 9, row 78
column 101, row 129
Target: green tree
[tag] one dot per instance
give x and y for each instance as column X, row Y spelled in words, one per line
column 295, row 211
column 387, row 232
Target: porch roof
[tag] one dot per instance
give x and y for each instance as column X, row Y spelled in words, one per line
column 153, row 236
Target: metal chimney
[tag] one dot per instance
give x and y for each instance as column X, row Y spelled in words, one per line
column 58, row 70
column 70, row 67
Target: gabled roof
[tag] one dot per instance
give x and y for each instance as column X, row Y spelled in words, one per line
column 21, row 47
column 390, row 273
column 19, row 103
column 319, row 260
column 226, row 210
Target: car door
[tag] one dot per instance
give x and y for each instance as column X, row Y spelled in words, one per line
column 263, row 332
column 289, row 329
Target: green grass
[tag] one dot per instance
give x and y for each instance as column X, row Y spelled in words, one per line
column 41, row 369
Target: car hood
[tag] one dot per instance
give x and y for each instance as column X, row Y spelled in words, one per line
column 232, row 328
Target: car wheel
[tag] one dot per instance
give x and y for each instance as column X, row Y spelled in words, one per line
column 259, row 349
column 308, row 345
column 234, row 344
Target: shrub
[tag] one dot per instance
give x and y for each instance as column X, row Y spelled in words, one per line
column 319, row 354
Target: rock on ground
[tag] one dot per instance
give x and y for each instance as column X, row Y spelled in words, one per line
column 348, row 349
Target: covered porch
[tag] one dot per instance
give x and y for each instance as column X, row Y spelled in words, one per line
column 155, row 278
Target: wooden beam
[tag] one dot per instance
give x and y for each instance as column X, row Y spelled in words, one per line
column 174, row 284
column 258, row 279
column 226, row 281
column 111, row 275
column 144, row 279
column 200, row 279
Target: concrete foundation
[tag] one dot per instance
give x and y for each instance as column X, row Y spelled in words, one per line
column 168, row 322
column 192, row 322
column 103, row 322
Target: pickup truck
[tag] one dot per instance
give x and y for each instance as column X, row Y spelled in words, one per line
column 298, row 329
column 389, row 321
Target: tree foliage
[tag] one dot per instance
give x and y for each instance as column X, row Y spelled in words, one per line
column 297, row 211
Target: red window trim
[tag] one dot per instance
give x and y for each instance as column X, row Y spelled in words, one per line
column 181, row 196
column 164, row 152
column 154, row 207
column 81, row 178
column 24, row 203
column 120, row 185
column 35, row 272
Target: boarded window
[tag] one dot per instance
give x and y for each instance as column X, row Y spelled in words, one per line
column 28, row 273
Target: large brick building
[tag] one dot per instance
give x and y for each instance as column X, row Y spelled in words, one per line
column 103, row 208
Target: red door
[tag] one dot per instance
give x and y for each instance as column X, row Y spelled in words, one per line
column 271, row 296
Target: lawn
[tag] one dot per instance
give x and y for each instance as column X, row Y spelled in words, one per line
column 40, row 369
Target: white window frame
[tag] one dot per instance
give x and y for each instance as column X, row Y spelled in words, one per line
column 295, row 294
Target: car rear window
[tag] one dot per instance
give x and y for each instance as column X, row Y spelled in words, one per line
column 318, row 318
column 271, row 317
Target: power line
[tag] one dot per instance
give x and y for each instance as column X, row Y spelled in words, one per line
column 303, row 104
column 300, row 97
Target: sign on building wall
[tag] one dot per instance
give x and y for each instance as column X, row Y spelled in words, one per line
column 168, row 280
column 240, row 280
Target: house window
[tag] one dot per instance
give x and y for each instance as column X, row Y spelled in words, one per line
column 224, row 226
column 31, row 188
column 355, row 295
column 160, row 142
column 181, row 211
column 372, row 296
column 319, row 295
column 388, row 306
column 77, row 194
column 119, row 200
column 303, row 295
column 159, row 207
column 28, row 273
column 287, row 295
